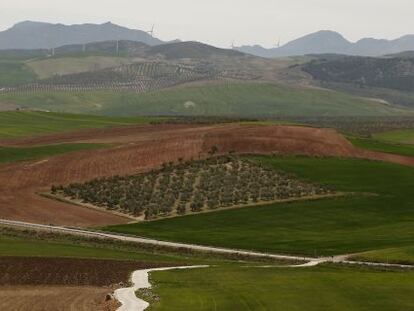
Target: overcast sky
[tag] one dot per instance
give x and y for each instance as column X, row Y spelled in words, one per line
column 219, row 22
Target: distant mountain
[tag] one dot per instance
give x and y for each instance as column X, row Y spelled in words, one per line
column 330, row 42
column 36, row 35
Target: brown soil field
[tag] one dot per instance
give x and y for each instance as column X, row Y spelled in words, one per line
column 57, row 298
column 22, row 271
column 51, row 284
column 140, row 148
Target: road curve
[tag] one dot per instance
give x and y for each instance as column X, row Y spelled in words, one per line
column 127, row 297
column 304, row 261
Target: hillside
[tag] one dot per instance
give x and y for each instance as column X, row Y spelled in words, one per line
column 230, row 99
column 389, row 73
column 37, row 35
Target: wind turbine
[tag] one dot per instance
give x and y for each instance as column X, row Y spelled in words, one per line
column 151, row 32
column 232, row 45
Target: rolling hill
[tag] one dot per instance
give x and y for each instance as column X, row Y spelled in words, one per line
column 219, row 99
column 392, row 73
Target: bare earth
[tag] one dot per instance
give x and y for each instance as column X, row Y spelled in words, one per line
column 140, row 148
column 56, row 298
column 54, row 284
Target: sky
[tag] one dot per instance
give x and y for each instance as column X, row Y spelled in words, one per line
column 221, row 22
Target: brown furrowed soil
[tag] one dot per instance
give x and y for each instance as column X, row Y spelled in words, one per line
column 22, row 271
column 140, row 148
column 57, row 298
column 43, row 284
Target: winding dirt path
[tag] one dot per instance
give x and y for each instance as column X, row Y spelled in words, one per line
column 140, row 280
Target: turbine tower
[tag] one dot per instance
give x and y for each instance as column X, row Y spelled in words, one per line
column 151, row 32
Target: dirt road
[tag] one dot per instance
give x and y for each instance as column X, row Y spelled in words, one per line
column 309, row 261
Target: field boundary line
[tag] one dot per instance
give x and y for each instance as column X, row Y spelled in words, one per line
column 309, row 261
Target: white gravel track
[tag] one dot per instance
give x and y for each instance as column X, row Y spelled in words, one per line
column 127, row 297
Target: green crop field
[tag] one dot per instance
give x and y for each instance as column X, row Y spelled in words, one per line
column 312, row 289
column 254, row 99
column 34, row 248
column 400, row 255
column 15, row 72
column 46, row 68
column 378, row 215
column 382, row 146
column 11, row 154
column 401, row 136
column 27, row 123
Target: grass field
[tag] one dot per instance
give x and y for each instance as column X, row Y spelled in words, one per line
column 401, row 255
column 15, row 72
column 254, row 99
column 401, row 136
column 381, row 216
column 28, row 123
column 11, row 154
column 17, row 243
column 312, row 289
column 47, row 68
column 382, row 146
column 38, row 248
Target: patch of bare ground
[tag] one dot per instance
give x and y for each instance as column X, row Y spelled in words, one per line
column 141, row 148
column 23, row 271
column 55, row 298
column 43, row 284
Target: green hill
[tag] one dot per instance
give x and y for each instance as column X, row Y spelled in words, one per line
column 238, row 99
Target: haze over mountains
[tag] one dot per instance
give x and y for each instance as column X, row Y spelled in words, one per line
column 325, row 41
column 38, row 35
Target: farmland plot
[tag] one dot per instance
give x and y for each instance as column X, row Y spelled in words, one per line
column 210, row 184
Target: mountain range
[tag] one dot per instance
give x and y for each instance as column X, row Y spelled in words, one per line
column 330, row 42
column 37, row 35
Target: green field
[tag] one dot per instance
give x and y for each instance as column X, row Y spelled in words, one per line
column 254, row 99
column 380, row 216
column 28, row 123
column 382, row 146
column 312, row 289
column 14, row 73
column 400, row 255
column 33, row 248
column 401, row 136
column 11, row 154
column 46, row 68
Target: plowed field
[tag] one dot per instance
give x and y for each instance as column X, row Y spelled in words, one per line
column 52, row 284
column 141, row 148
column 57, row 298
